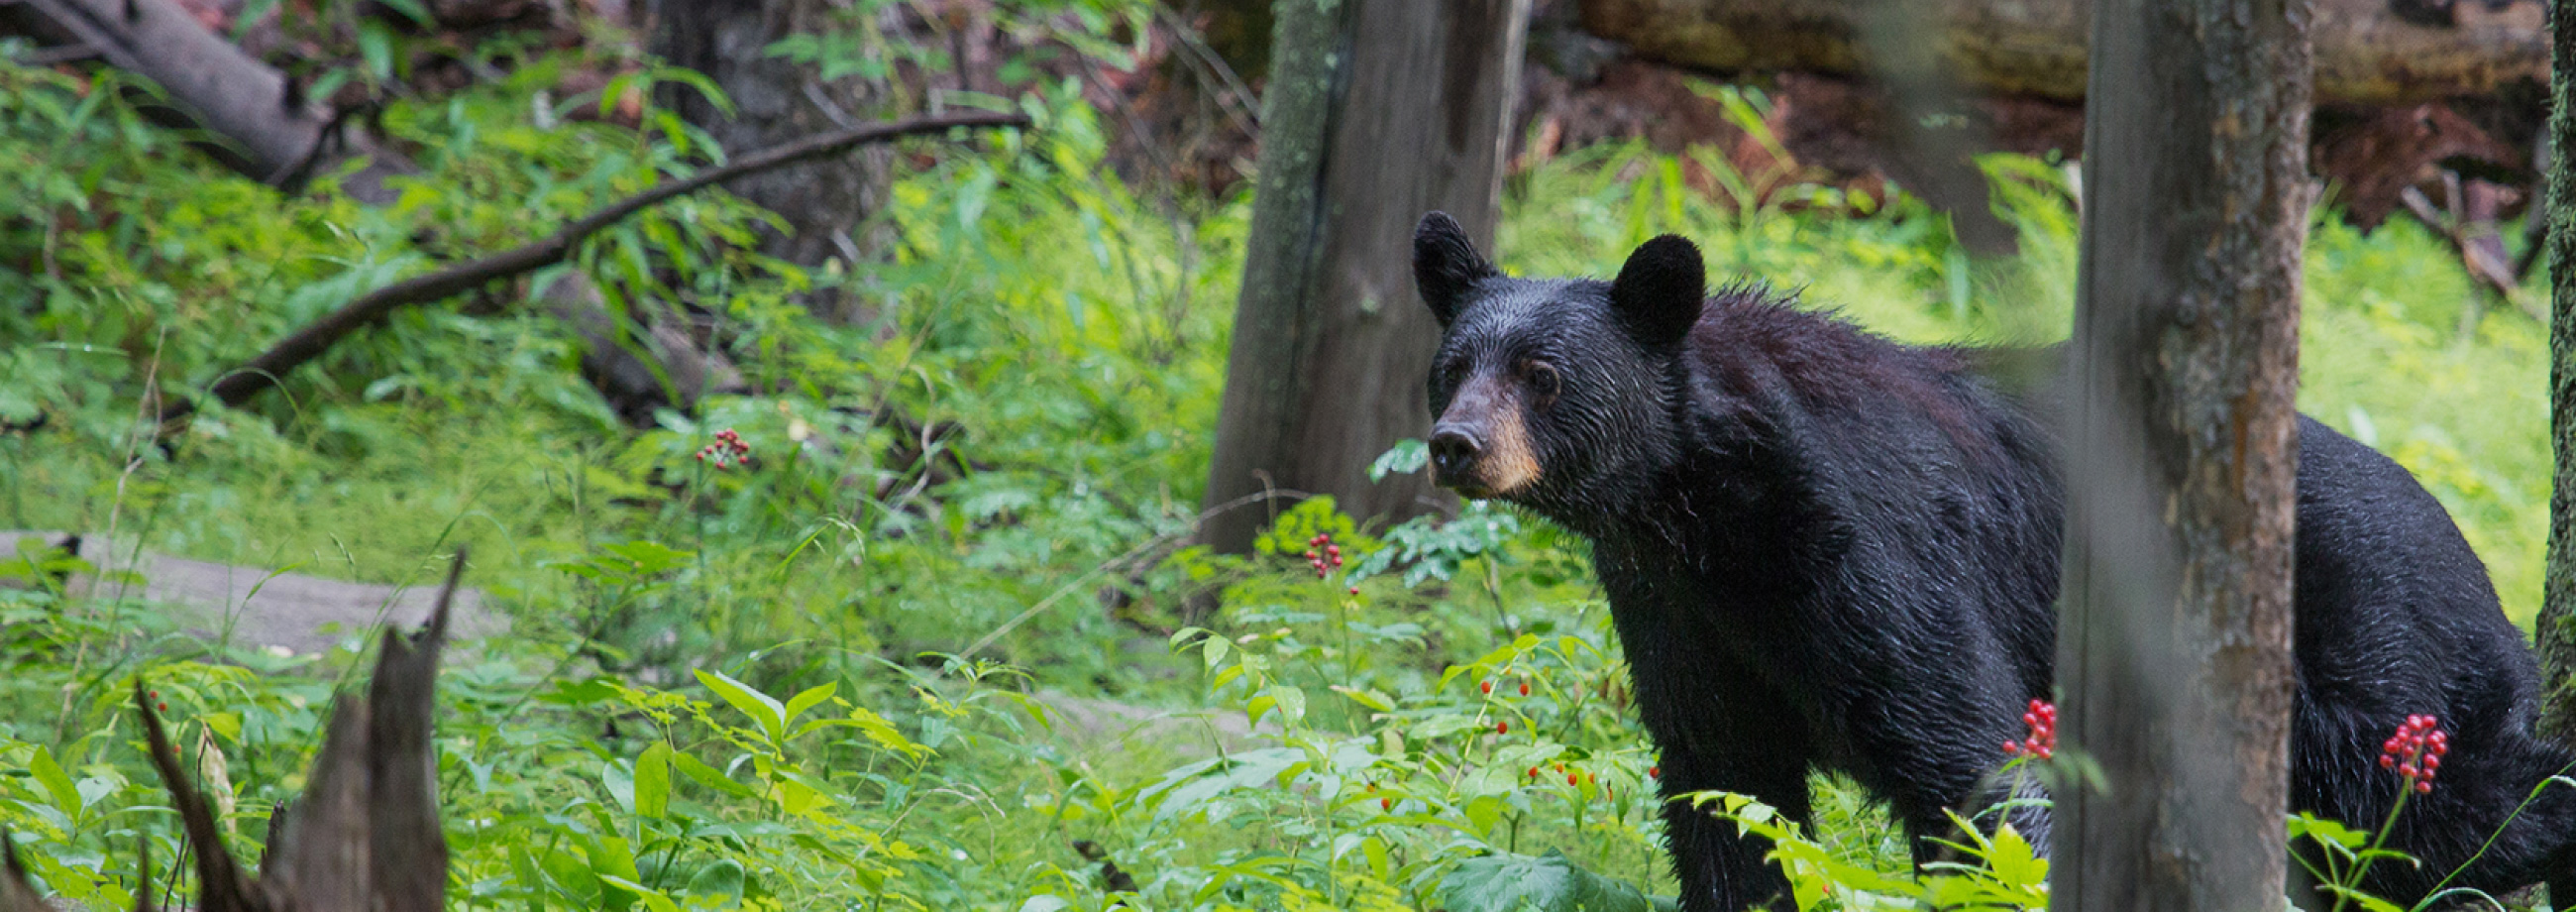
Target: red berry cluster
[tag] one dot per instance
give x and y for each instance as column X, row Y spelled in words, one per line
column 728, row 450
column 1325, row 556
column 2416, row 750
column 2042, row 743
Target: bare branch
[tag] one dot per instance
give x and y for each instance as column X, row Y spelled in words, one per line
column 260, row 373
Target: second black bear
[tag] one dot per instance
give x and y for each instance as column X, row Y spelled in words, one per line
column 1825, row 550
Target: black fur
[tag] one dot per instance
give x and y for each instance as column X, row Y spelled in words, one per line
column 1829, row 551
column 1446, row 265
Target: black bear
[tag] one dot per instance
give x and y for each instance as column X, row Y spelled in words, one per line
column 1825, row 550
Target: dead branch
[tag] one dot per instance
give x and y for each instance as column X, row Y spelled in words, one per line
column 260, row 373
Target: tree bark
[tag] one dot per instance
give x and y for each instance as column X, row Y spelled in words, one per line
column 2364, row 52
column 1377, row 111
column 2174, row 650
column 2555, row 630
column 776, row 100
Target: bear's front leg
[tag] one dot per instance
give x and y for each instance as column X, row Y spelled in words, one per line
column 1721, row 869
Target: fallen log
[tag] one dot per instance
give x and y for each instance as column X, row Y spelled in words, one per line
column 2366, row 52
column 259, row 121
column 260, row 373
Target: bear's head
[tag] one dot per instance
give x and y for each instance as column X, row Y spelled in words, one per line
column 1554, row 393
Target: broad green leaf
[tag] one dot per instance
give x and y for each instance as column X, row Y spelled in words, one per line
column 797, row 705
column 67, row 797
column 723, row 878
column 653, row 899
column 620, row 782
column 1547, row 883
column 709, row 776
column 652, row 782
column 762, row 708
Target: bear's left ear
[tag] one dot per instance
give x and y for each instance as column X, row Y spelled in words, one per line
column 1446, row 265
column 1659, row 292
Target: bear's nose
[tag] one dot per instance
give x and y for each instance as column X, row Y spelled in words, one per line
column 1454, row 448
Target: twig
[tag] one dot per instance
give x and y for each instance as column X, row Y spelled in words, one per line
column 2482, row 265
column 260, row 373
column 69, row 53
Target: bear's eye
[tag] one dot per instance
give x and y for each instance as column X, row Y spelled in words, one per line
column 1453, row 372
column 1543, row 380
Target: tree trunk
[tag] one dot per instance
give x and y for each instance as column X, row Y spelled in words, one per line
column 2364, row 52
column 777, row 100
column 1377, row 111
column 2556, row 627
column 2174, row 654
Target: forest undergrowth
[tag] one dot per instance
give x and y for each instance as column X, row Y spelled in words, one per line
column 843, row 672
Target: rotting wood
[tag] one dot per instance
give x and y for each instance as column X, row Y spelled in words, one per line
column 2365, row 52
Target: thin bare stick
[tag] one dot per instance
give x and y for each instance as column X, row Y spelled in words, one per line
column 259, row 374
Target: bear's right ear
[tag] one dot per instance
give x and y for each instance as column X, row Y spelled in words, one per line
column 1659, row 292
column 1446, row 265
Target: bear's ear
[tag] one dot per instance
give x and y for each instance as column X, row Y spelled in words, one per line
column 1446, row 265
column 1659, row 292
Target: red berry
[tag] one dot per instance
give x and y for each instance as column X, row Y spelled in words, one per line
column 1655, row 771
column 1533, row 772
column 1386, row 804
column 1524, row 688
column 2424, row 787
column 165, row 707
column 1573, row 779
column 1502, row 728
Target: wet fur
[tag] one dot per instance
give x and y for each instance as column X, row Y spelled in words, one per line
column 1828, row 551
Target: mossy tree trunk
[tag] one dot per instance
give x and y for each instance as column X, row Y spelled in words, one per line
column 2556, row 628
column 1376, row 111
column 2174, row 650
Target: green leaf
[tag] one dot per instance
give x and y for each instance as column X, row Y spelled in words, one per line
column 57, row 786
column 709, row 776
column 722, row 878
column 761, row 707
column 620, row 782
column 797, row 705
column 652, row 783
column 1546, row 883
column 376, row 44
column 653, row 899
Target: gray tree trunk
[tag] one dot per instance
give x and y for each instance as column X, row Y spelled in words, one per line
column 2174, row 654
column 2556, row 628
column 1377, row 111
column 776, row 100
